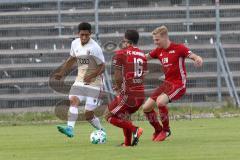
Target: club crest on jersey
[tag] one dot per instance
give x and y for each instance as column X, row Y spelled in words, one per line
column 164, row 60
column 88, row 52
column 171, row 52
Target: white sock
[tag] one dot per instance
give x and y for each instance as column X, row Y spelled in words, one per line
column 95, row 122
column 72, row 116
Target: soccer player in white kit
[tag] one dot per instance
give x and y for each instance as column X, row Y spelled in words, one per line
column 89, row 83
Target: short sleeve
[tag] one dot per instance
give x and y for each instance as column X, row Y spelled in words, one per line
column 153, row 53
column 118, row 60
column 185, row 52
column 97, row 54
column 72, row 53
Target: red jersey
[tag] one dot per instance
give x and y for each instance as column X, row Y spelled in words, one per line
column 133, row 63
column 172, row 60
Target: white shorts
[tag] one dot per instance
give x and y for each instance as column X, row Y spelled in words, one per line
column 87, row 93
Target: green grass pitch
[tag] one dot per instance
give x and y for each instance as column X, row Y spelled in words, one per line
column 199, row 139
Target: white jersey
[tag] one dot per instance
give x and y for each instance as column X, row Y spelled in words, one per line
column 89, row 56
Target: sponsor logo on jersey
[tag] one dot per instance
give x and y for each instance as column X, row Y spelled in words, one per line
column 83, row 60
column 137, row 81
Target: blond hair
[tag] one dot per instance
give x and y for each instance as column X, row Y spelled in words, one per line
column 162, row 30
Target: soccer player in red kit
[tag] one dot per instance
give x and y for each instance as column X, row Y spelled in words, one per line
column 130, row 64
column 172, row 59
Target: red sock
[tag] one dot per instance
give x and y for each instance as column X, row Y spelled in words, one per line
column 152, row 118
column 128, row 137
column 163, row 111
column 124, row 124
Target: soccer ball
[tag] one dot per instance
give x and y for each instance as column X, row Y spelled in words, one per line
column 98, row 137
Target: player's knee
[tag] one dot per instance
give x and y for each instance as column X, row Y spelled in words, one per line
column 162, row 100
column 89, row 115
column 74, row 101
column 148, row 106
column 160, row 104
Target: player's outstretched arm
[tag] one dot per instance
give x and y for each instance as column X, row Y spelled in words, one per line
column 65, row 67
column 148, row 57
column 198, row 61
column 118, row 79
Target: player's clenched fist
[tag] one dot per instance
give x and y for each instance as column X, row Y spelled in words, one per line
column 198, row 62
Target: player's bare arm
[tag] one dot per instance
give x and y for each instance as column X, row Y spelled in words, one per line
column 148, row 57
column 116, row 87
column 100, row 69
column 65, row 67
column 118, row 79
column 198, row 61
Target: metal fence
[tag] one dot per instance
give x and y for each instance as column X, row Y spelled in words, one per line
column 35, row 38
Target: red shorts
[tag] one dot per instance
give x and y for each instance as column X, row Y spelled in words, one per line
column 173, row 91
column 125, row 105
